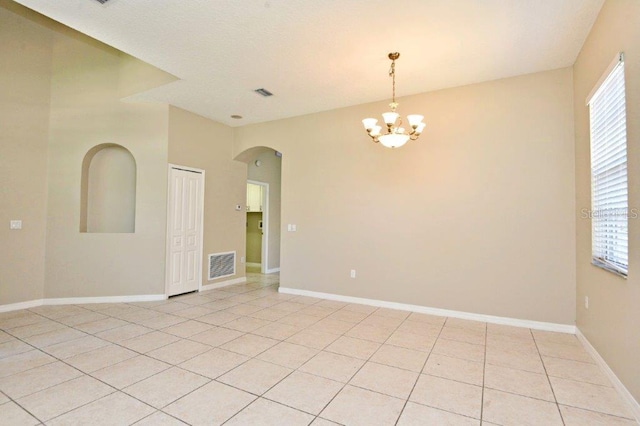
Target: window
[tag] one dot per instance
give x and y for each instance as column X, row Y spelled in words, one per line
column 609, row 197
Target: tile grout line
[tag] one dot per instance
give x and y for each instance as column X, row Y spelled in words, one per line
column 296, row 369
column 360, row 368
column 484, row 372
column 553, row 392
column 83, row 374
column 424, row 364
column 274, row 385
column 27, row 411
column 97, row 379
column 225, row 384
column 255, row 357
column 89, row 375
column 48, row 387
column 156, row 412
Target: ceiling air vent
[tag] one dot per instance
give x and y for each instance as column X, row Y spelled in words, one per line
column 263, row 92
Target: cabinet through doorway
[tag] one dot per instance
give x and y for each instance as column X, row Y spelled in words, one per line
column 257, row 229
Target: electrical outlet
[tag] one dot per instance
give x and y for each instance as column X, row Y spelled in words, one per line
column 586, row 302
column 15, row 224
column 242, row 259
column 353, row 273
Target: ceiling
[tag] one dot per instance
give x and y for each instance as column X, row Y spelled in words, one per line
column 320, row 55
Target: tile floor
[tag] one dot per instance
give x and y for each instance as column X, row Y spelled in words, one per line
column 247, row 355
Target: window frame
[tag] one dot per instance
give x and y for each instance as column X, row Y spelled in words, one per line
column 609, row 247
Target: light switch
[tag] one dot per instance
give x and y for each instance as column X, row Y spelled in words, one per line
column 294, row 228
column 15, row 224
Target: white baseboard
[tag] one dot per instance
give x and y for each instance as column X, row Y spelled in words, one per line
column 257, row 265
column 223, row 284
column 272, row 270
column 20, row 305
column 622, row 390
column 105, row 299
column 82, row 301
column 536, row 325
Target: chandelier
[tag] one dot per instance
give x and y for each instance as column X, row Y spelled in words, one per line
column 395, row 135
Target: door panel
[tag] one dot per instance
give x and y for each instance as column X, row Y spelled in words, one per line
column 185, row 219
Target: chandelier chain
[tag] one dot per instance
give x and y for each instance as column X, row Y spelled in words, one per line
column 392, row 74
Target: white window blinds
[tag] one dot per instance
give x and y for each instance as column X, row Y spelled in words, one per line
column 609, row 199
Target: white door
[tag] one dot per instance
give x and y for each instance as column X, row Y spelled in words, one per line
column 184, row 236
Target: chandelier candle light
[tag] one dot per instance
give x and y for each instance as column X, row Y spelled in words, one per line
column 396, row 136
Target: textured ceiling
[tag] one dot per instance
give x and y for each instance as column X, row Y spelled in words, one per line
column 319, row 55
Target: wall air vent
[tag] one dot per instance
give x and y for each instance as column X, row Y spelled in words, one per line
column 263, row 92
column 222, row 265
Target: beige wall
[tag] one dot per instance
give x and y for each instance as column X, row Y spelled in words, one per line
column 66, row 99
column 195, row 141
column 269, row 172
column 476, row 216
column 25, row 63
column 611, row 322
column 88, row 82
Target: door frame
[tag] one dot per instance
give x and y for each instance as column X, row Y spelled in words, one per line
column 264, row 255
column 171, row 166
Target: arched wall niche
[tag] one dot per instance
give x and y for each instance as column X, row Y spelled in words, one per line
column 108, row 190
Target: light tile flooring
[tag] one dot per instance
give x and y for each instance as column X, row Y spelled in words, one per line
column 247, row 355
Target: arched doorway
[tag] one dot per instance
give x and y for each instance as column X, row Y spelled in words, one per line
column 263, row 225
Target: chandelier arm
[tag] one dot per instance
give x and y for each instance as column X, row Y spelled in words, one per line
column 375, row 138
